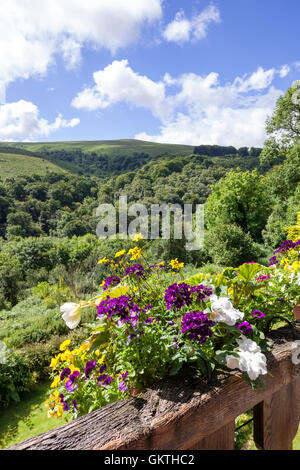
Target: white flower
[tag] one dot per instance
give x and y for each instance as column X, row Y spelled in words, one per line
column 71, row 314
column 297, row 282
column 250, row 359
column 223, row 311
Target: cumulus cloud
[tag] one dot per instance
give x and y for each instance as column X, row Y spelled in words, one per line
column 118, row 82
column 182, row 29
column 32, row 32
column 193, row 109
column 20, row 120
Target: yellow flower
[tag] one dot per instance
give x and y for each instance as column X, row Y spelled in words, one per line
column 120, row 253
column 103, row 260
column 174, row 263
column 73, row 368
column 67, row 356
column 135, row 253
column 295, row 266
column 55, row 381
column 59, row 411
column 101, row 360
column 64, row 345
column 162, row 263
column 51, row 413
column 54, row 361
column 137, row 238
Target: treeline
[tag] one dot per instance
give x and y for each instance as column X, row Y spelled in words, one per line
column 221, row 151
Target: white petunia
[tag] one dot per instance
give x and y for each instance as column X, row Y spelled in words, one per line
column 223, row 311
column 71, row 314
column 250, row 359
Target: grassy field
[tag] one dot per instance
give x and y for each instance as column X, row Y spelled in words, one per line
column 19, row 165
column 109, row 147
column 27, row 418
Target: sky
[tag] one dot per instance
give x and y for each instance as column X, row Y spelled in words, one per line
column 187, row 72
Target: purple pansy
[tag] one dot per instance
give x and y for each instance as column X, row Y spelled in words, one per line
column 104, row 379
column 70, row 383
column 65, row 405
column 122, row 386
column 65, row 373
column 90, row 365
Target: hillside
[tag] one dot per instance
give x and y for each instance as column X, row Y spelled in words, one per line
column 108, row 147
column 12, row 165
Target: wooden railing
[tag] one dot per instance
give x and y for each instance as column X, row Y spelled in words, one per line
column 180, row 413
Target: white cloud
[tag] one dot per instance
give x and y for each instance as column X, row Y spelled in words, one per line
column 20, row 120
column 32, row 32
column 256, row 81
column 182, row 29
column 284, row 71
column 193, row 109
column 118, row 82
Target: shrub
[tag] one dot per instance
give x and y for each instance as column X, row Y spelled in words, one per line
column 229, row 245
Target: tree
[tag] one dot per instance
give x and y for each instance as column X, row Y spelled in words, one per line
column 283, row 127
column 286, row 116
column 239, row 198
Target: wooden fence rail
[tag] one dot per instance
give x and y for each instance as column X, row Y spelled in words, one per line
column 181, row 413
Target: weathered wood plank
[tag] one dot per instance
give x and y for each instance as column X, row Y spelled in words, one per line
column 275, row 420
column 178, row 413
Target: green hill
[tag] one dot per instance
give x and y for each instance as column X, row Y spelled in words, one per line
column 108, row 147
column 18, row 164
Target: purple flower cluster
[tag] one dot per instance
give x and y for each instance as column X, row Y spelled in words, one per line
column 65, row 405
column 111, row 281
column 121, row 306
column 65, row 373
column 137, row 270
column 178, row 295
column 258, row 314
column 273, row 260
column 104, row 379
column 122, row 386
column 197, row 325
column 90, row 365
column 70, row 383
column 245, row 327
column 287, row 245
column 202, row 291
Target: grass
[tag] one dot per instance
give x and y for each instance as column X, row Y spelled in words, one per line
column 27, row 418
column 12, row 165
column 109, row 147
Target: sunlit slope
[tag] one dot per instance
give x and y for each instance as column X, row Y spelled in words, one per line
column 16, row 164
column 109, row 147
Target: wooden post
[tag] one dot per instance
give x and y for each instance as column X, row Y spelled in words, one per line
column 222, row 439
column 276, row 419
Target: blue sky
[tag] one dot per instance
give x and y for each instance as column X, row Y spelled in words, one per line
column 193, row 72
